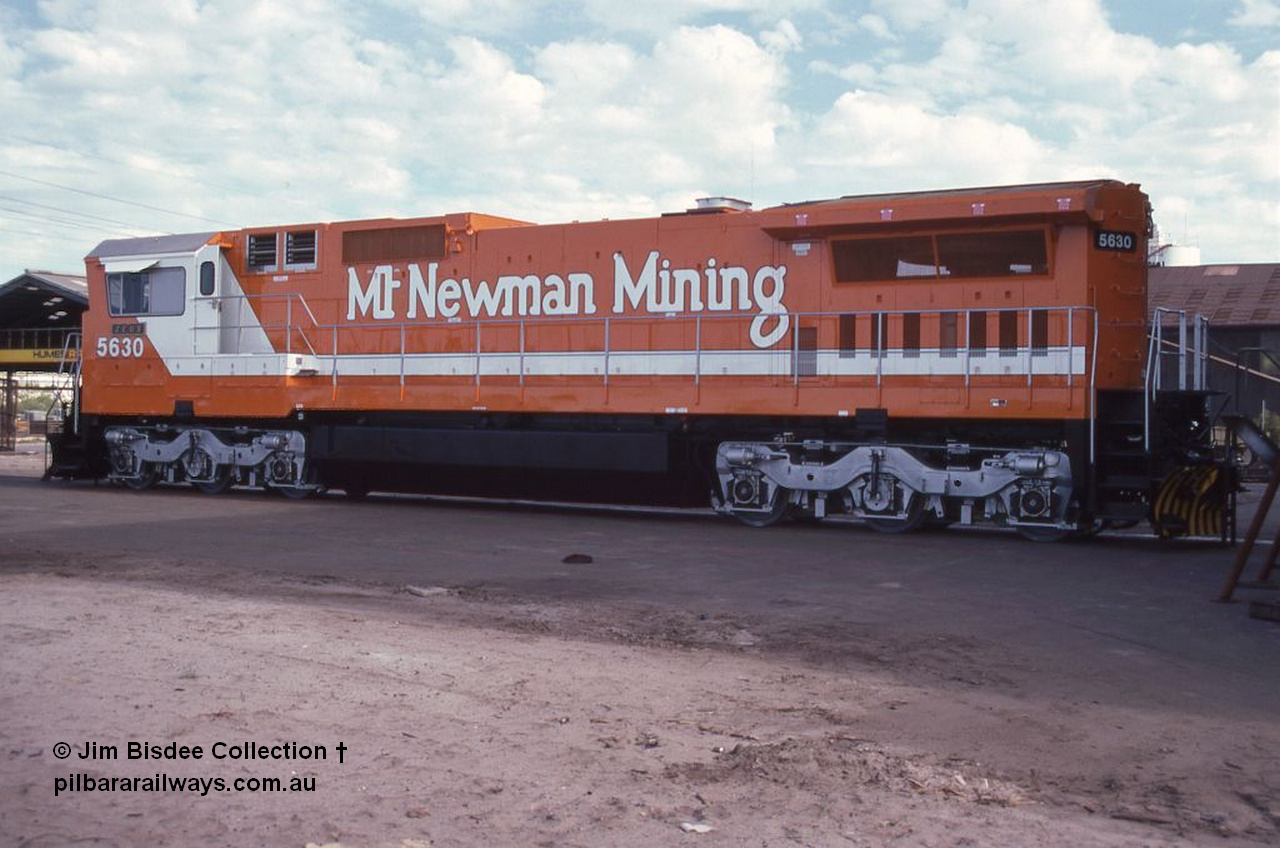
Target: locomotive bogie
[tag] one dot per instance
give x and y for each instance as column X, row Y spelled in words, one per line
column 212, row 460
column 888, row 485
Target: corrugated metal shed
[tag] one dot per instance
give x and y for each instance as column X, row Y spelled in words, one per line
column 1228, row 295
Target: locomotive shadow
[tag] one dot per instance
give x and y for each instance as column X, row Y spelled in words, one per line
column 1137, row 539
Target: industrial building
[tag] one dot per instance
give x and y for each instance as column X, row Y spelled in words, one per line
column 39, row 310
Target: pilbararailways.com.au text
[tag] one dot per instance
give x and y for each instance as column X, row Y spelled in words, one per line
column 83, row 782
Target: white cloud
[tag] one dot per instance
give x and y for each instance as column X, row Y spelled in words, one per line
column 875, row 139
column 483, row 94
column 861, row 74
column 297, row 106
column 590, row 121
column 254, row 111
column 877, row 26
column 719, row 89
column 1062, row 93
column 1257, row 13
column 660, row 16
column 255, row 107
column 696, row 110
column 782, row 38
column 583, row 69
column 916, row 14
column 470, row 16
column 12, row 56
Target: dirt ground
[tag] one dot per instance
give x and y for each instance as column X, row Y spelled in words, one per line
column 478, row 716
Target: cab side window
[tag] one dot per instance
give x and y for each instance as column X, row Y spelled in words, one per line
column 206, row 279
column 156, row 291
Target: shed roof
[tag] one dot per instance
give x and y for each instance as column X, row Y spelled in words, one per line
column 43, row 299
column 1245, row 295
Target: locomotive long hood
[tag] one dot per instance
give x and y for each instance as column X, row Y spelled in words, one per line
column 1061, row 201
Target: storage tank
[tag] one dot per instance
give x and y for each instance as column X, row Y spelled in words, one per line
column 1175, row 256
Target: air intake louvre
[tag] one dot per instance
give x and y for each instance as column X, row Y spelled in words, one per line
column 261, row 250
column 388, row 243
column 300, row 247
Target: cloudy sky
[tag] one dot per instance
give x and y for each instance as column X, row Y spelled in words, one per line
column 125, row 117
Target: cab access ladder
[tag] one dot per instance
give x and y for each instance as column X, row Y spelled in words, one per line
column 66, row 454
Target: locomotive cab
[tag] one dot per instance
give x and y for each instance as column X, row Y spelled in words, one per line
column 181, row 297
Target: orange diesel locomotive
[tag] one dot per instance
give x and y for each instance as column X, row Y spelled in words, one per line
column 968, row 356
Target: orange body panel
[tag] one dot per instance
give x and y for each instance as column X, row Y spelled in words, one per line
column 702, row 314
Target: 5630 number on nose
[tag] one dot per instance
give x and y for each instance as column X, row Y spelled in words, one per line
column 123, row 347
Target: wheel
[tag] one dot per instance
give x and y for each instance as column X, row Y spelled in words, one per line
column 779, row 506
column 294, row 493
column 880, row 504
column 146, row 478
column 223, row 481
column 281, row 466
column 1044, row 534
column 912, row 521
column 1086, row 527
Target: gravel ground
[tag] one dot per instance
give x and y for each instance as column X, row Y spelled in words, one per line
column 471, row 713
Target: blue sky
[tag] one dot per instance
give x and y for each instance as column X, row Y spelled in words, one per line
column 126, row 117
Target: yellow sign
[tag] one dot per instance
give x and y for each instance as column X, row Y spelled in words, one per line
column 34, row 356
